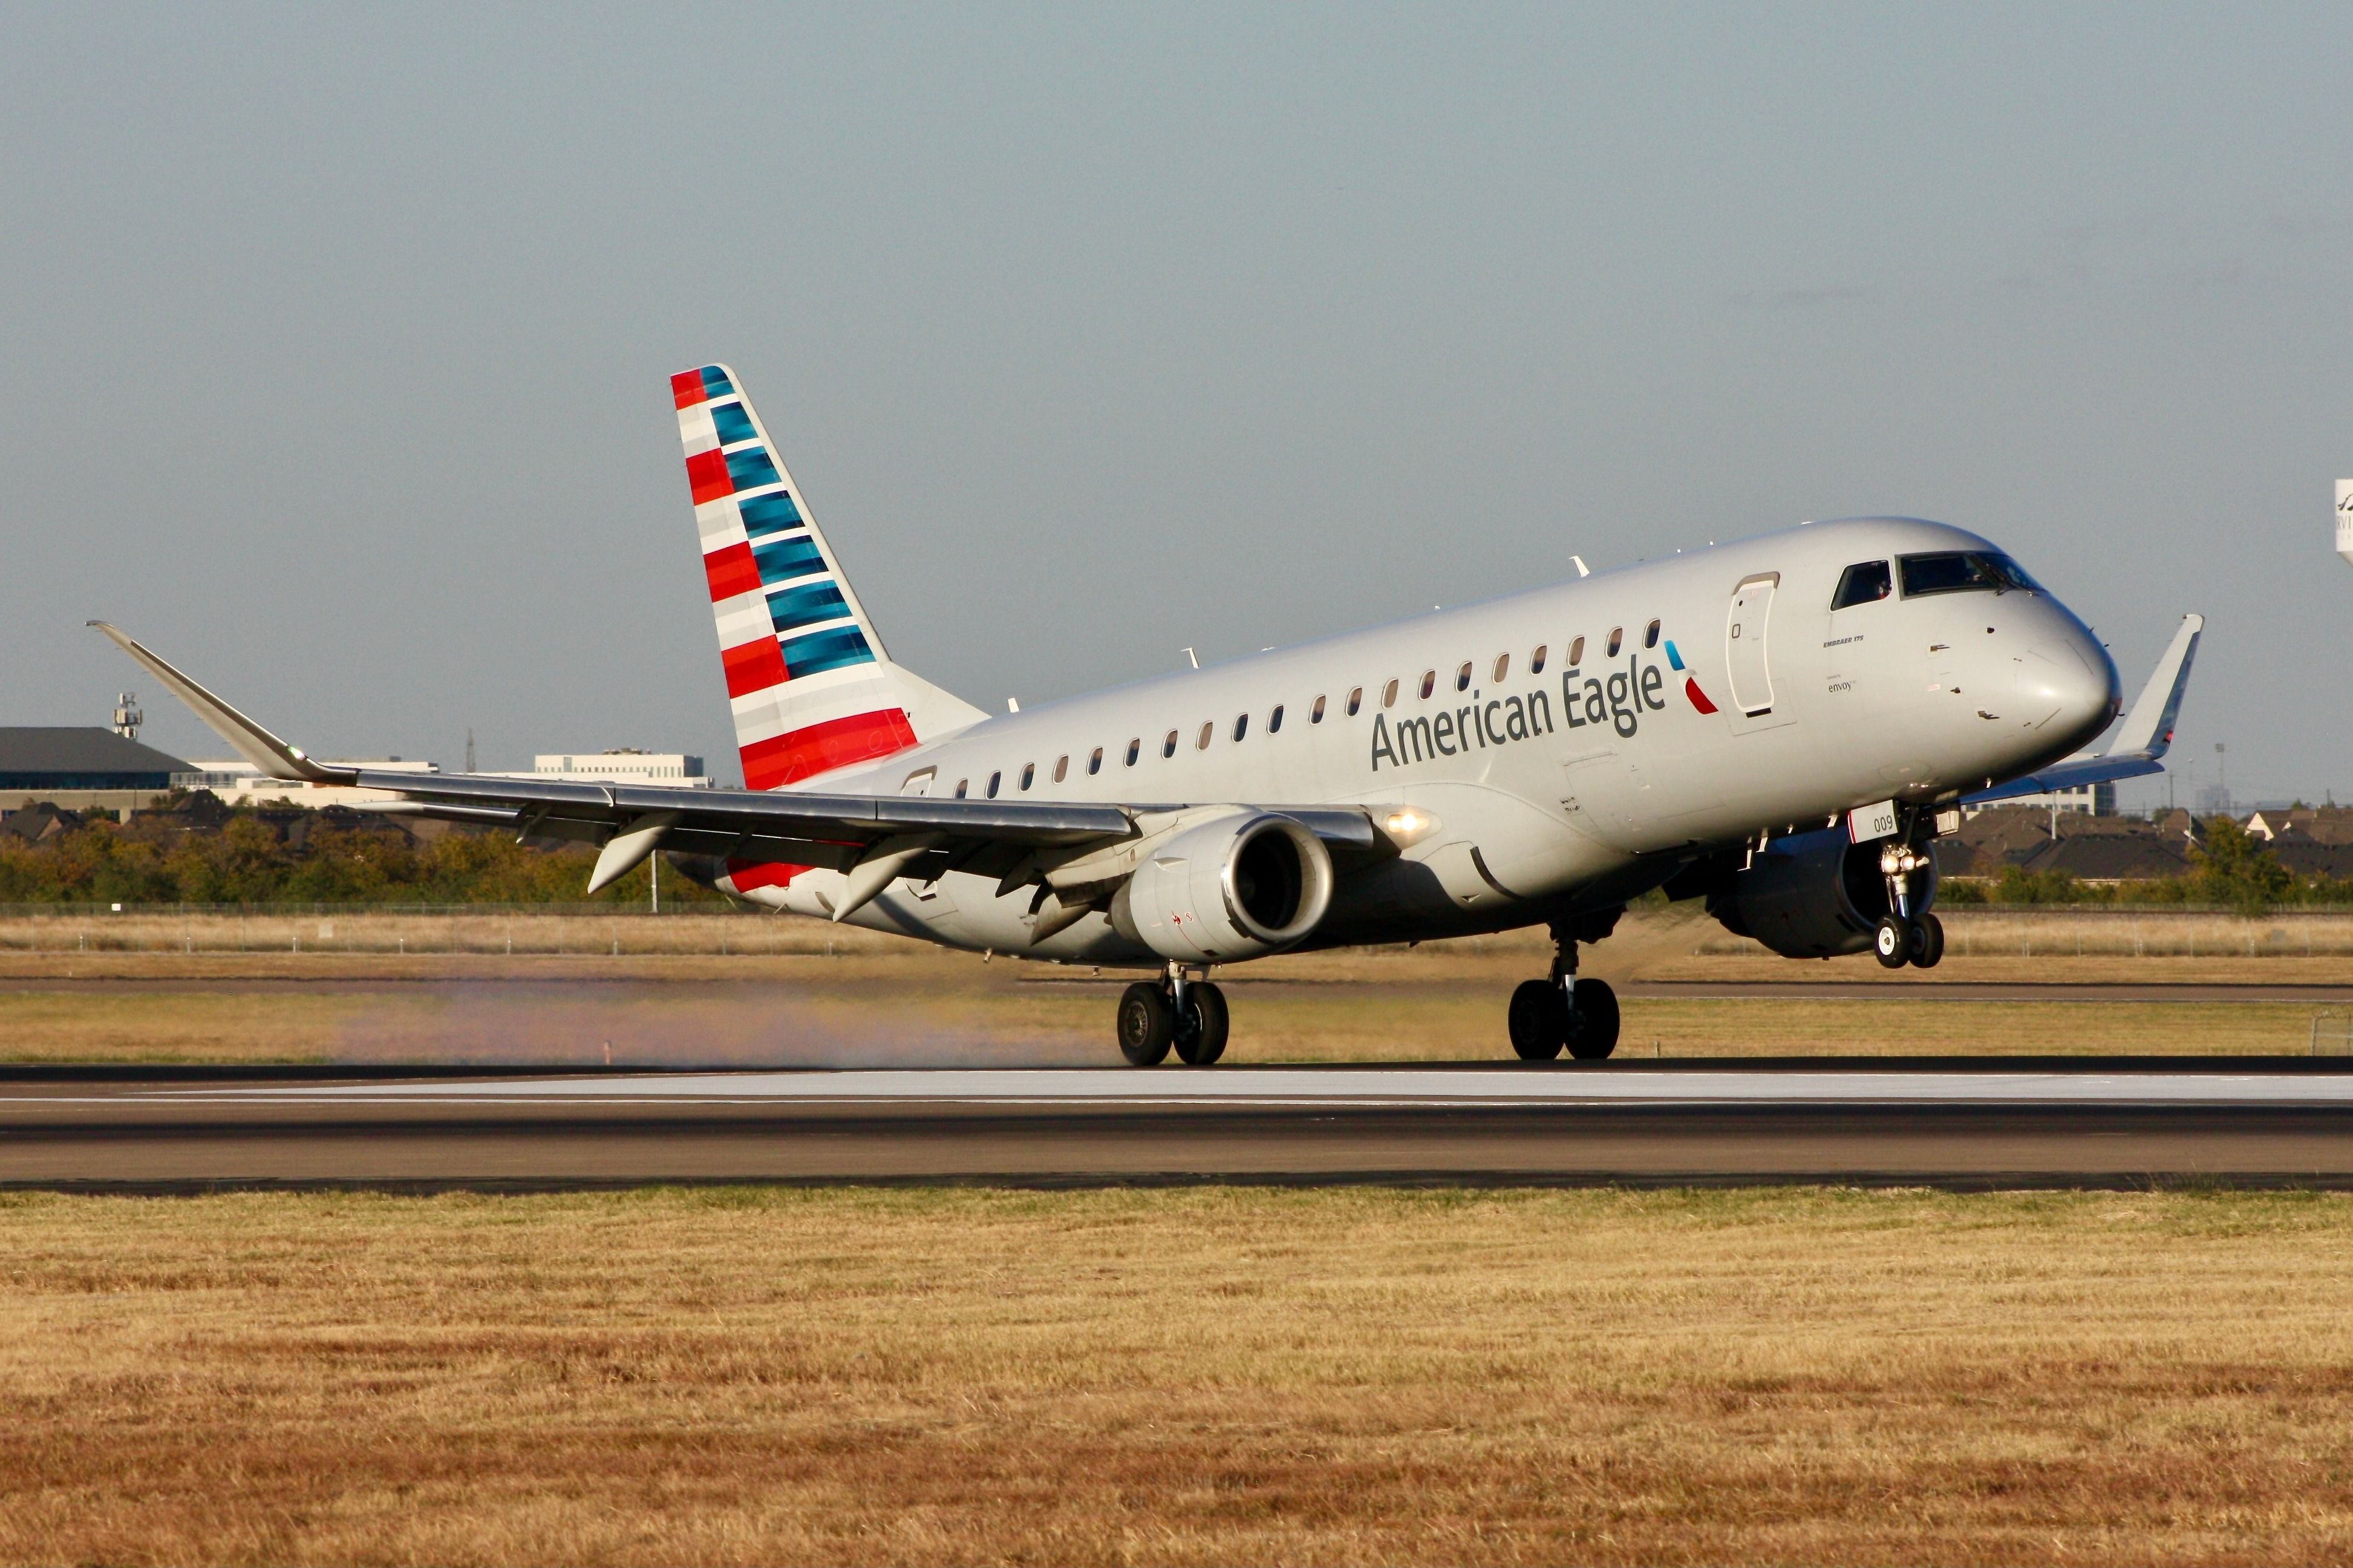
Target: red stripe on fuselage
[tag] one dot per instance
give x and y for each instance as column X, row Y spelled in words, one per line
column 820, row 748
column 747, row 875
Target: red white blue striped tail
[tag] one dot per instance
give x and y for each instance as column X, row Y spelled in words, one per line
column 812, row 687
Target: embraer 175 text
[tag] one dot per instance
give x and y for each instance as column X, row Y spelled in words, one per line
column 1780, row 726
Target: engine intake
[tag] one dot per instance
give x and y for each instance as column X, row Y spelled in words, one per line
column 1813, row 895
column 1235, row 886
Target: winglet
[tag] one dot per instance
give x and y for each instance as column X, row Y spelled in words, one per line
column 255, row 744
column 2149, row 727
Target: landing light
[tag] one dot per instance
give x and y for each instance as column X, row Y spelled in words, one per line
column 1405, row 825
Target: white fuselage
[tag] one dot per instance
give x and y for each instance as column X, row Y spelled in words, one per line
column 1545, row 789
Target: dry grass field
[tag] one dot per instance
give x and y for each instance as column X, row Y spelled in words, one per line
column 1178, row 1376
column 924, row 1009
column 671, row 994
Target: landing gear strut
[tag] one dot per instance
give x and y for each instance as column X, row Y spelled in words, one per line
column 1179, row 1013
column 1564, row 1011
column 1906, row 935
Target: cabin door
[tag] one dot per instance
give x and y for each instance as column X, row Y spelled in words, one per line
column 1747, row 661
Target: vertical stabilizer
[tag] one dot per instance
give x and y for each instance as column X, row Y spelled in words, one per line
column 812, row 687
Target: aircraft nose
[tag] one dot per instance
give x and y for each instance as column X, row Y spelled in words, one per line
column 2067, row 689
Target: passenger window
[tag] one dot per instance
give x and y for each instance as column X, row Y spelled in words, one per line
column 1168, row 746
column 1389, row 693
column 1094, row 762
column 1503, row 667
column 1134, row 749
column 1576, row 653
column 1274, row 720
column 1241, row 725
column 1650, row 634
column 1428, row 683
column 1062, row 767
column 962, row 785
column 994, row 780
column 1316, row 714
column 1201, row 743
column 1356, row 700
column 1864, row 583
column 1462, row 676
column 1536, row 659
column 1617, row 638
column 1028, row 773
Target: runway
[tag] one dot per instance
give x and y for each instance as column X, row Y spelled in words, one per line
column 1964, row 1124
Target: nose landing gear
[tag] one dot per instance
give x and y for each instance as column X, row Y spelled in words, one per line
column 1180, row 1013
column 1903, row 936
column 1564, row 1012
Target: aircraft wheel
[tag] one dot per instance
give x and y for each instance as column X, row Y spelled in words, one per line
column 1147, row 1025
column 1201, row 1035
column 1538, row 1020
column 1595, row 1032
column 1927, row 941
column 1891, row 944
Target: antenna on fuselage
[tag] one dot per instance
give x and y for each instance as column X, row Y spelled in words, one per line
column 1194, row 657
column 1578, row 562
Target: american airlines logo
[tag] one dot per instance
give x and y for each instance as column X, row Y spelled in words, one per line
column 1617, row 699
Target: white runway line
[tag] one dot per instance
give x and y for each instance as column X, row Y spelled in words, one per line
column 1368, row 1087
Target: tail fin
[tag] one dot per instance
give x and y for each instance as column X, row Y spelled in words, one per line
column 812, row 687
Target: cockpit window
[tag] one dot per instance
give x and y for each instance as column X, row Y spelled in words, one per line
column 1864, row 583
column 1963, row 571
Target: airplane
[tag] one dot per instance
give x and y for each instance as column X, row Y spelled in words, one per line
column 1780, row 726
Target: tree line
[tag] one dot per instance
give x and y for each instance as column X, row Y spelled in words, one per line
column 2228, row 868
column 246, row 860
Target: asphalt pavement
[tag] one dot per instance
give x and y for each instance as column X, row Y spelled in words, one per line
column 1966, row 1123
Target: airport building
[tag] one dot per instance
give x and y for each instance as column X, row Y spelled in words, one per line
column 80, row 767
column 240, row 783
column 623, row 765
column 2094, row 800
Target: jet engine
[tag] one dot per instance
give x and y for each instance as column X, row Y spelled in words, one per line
column 1234, row 887
column 1814, row 895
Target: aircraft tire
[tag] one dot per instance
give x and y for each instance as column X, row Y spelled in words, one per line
column 1595, row 1034
column 1147, row 1025
column 1538, row 1020
column 1205, row 1040
column 1927, row 941
column 1891, row 943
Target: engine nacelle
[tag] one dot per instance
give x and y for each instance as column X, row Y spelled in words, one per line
column 1235, row 887
column 1814, row 895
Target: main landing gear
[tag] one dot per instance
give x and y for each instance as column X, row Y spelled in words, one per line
column 1180, row 1013
column 1902, row 935
column 1563, row 1011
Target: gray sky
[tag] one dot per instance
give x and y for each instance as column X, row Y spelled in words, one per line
column 333, row 340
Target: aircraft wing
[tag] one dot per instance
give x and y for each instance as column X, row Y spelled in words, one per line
column 2139, row 747
column 917, row 833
